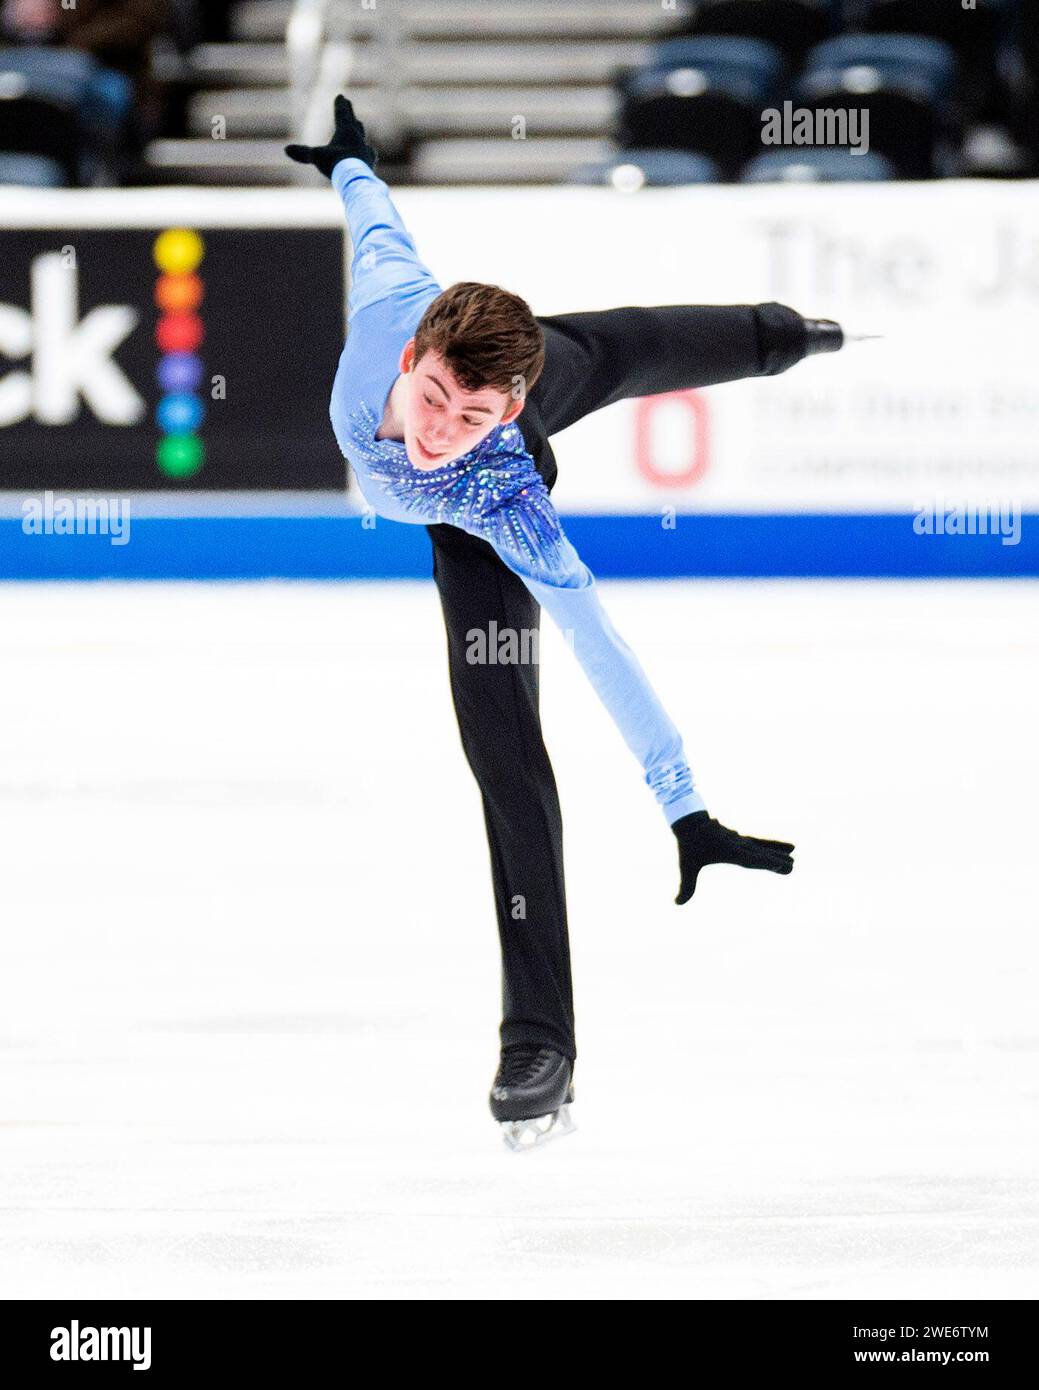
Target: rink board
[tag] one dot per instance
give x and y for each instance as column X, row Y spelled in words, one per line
column 882, row 545
column 817, row 472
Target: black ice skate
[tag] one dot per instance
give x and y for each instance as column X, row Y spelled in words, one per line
column 531, row 1096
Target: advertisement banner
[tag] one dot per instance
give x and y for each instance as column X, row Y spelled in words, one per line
column 178, row 346
column 944, row 403
column 171, row 356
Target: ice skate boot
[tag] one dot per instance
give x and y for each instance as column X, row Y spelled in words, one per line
column 531, row 1096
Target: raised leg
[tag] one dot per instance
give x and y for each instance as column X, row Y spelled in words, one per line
column 594, row 359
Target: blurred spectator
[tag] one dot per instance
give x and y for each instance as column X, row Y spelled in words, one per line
column 120, row 104
column 118, row 33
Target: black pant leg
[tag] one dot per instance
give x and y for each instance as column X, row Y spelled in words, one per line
column 594, row 359
column 591, row 360
column 500, row 725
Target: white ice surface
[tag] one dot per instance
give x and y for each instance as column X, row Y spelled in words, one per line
column 249, row 992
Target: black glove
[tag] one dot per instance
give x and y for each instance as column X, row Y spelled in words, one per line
column 348, row 142
column 701, row 840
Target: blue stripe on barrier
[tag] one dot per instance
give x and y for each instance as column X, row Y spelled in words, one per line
column 716, row 545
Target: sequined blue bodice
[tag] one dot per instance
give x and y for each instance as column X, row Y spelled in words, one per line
column 495, row 491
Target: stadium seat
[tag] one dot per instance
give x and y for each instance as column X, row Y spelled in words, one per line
column 792, row 25
column 909, row 86
column 749, row 64
column 817, row 166
column 892, row 54
column 30, row 171
column 705, row 97
column 973, row 34
column 646, row 168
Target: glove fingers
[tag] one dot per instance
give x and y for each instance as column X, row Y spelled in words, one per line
column 780, row 866
column 300, row 153
column 774, row 863
column 757, row 857
column 782, row 845
column 346, row 116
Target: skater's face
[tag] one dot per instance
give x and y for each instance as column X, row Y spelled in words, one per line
column 441, row 421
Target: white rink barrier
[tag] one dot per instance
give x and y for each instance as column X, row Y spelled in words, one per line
column 933, row 423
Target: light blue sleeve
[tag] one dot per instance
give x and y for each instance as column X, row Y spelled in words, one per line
column 570, row 595
column 385, row 261
column 386, row 270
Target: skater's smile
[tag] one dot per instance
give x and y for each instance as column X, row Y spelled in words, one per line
column 441, row 421
column 427, row 453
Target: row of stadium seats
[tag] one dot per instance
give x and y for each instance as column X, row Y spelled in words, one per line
column 466, row 69
column 591, row 79
column 708, row 96
column 977, row 34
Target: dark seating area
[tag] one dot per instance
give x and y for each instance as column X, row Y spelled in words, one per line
column 177, row 91
column 80, row 95
column 934, row 90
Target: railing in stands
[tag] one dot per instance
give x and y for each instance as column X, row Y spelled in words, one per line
column 321, row 46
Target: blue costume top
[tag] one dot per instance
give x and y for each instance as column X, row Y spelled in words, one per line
column 494, row 491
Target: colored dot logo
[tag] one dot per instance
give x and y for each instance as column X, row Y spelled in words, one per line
column 179, row 331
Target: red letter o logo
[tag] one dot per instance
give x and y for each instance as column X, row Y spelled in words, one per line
column 696, row 467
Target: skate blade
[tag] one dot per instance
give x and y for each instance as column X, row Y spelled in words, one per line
column 522, row 1135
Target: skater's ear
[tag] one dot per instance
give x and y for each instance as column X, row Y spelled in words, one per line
column 407, row 356
column 515, row 408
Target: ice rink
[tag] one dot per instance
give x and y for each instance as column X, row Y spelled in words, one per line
column 250, row 976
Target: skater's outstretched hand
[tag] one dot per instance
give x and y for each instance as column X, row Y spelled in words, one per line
column 348, row 142
column 702, row 841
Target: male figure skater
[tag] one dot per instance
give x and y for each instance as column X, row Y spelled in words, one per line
column 443, row 403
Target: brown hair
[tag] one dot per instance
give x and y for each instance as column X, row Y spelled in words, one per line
column 486, row 335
